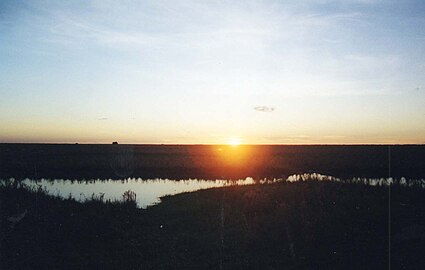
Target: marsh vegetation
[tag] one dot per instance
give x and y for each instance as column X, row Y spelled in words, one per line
column 308, row 224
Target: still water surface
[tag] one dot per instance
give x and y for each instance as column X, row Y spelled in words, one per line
column 148, row 192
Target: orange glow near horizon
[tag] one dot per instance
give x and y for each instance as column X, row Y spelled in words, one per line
column 233, row 154
column 234, row 141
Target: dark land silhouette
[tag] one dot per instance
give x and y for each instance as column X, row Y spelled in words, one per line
column 302, row 225
column 308, row 224
column 72, row 161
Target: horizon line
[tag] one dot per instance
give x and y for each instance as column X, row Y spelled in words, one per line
column 219, row 144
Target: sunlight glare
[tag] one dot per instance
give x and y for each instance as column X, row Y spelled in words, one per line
column 234, row 142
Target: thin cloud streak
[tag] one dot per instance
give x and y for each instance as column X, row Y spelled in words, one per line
column 264, row 109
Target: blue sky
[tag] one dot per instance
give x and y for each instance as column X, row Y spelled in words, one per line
column 197, row 71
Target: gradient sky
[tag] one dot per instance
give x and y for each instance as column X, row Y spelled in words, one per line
column 207, row 71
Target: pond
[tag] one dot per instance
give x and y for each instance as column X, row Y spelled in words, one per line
column 148, row 192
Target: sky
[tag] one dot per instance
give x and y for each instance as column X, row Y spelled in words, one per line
column 200, row 72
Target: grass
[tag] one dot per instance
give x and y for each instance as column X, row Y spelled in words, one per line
column 300, row 225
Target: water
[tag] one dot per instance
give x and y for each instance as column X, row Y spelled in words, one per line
column 148, row 192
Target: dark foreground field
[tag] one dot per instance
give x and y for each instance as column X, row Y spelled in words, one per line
column 303, row 225
column 70, row 161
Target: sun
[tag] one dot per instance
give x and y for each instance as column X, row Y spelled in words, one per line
column 234, row 142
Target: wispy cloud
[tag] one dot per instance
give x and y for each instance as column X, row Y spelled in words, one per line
column 264, row 109
column 216, row 25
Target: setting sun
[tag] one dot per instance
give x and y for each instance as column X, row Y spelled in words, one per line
column 234, row 142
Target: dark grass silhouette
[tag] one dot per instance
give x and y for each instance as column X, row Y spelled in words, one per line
column 301, row 225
